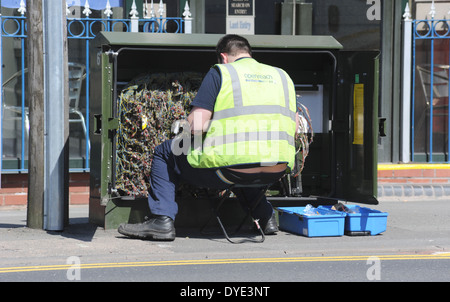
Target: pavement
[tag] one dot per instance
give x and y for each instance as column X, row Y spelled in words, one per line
column 415, row 226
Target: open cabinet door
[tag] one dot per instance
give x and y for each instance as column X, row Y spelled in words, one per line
column 355, row 126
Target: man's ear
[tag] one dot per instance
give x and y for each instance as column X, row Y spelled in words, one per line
column 224, row 58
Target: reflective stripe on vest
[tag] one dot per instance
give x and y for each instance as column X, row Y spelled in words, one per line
column 248, row 136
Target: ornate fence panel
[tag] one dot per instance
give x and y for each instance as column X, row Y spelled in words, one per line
column 83, row 29
column 430, row 135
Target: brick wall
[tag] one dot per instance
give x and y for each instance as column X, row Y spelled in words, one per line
column 414, row 174
column 15, row 187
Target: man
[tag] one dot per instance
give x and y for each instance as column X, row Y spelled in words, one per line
column 244, row 116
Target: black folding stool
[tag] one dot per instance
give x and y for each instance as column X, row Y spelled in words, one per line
column 216, row 205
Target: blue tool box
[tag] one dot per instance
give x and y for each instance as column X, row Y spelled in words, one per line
column 323, row 222
column 363, row 221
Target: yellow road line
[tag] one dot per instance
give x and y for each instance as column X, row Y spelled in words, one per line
column 221, row 261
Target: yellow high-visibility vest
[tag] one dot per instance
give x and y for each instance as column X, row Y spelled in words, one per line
column 253, row 123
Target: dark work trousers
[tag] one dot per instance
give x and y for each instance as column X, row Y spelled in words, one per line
column 169, row 170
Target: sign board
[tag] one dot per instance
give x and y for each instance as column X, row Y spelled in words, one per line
column 240, row 17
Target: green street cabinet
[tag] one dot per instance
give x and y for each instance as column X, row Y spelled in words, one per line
column 339, row 88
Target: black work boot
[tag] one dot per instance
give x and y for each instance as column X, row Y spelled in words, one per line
column 270, row 227
column 155, row 228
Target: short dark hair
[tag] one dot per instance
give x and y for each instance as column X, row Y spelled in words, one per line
column 233, row 45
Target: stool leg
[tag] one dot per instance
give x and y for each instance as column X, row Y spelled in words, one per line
column 216, row 207
column 251, row 208
column 249, row 214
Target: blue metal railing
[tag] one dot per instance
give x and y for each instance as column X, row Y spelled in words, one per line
column 20, row 33
column 87, row 32
column 433, row 76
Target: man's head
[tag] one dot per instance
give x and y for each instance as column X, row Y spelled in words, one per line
column 232, row 47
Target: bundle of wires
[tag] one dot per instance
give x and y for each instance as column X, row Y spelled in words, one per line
column 147, row 108
column 303, row 138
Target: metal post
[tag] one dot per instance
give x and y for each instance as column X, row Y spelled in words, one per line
column 197, row 7
column 430, row 133
column 406, row 88
column 430, row 124
column 413, row 89
column 56, row 114
column 87, row 11
column 187, row 19
column 448, row 109
column 134, row 18
column 24, row 124
column 288, row 18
